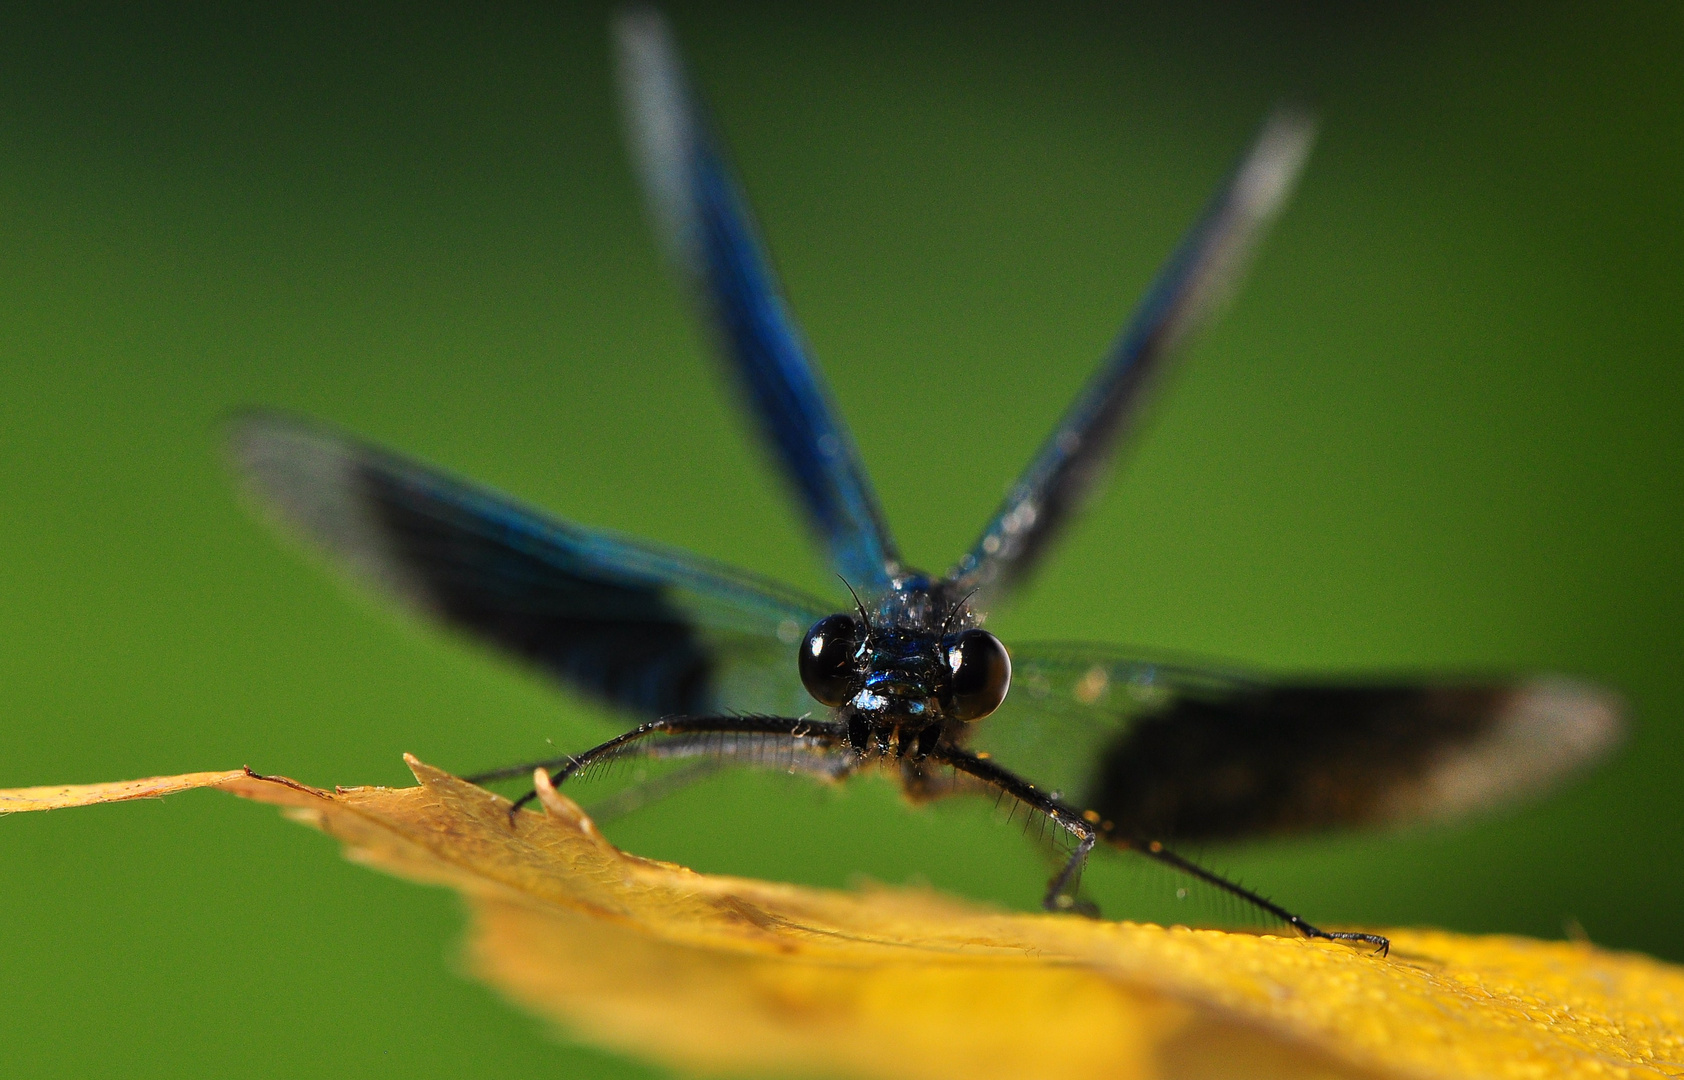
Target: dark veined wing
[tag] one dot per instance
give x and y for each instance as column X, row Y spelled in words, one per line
column 1186, row 294
column 1177, row 752
column 647, row 629
column 706, row 227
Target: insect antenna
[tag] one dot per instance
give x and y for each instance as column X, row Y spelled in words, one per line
column 864, row 618
column 953, row 611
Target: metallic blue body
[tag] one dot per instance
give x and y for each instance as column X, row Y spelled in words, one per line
column 710, row 234
column 656, row 632
column 705, row 658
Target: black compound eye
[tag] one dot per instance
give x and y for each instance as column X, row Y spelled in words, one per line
column 981, row 673
column 829, row 670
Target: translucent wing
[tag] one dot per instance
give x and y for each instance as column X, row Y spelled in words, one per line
column 708, row 231
column 647, row 629
column 1187, row 292
column 1178, row 752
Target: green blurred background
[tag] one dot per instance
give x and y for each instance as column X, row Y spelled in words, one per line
column 1440, row 429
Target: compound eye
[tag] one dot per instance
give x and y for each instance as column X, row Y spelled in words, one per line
column 981, row 674
column 829, row 670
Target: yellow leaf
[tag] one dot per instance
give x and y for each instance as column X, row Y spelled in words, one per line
column 722, row 974
column 63, row 796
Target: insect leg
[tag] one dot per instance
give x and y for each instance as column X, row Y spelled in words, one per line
column 509, row 772
column 795, row 755
column 702, row 736
column 628, row 801
column 1155, row 850
column 654, row 789
column 1061, row 890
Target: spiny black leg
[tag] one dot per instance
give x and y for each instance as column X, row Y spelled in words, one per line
column 1061, row 891
column 509, row 772
column 654, row 789
column 804, row 734
column 827, row 764
column 621, row 803
column 1155, row 850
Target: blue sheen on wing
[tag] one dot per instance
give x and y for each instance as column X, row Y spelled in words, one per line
column 646, row 629
column 1186, row 293
column 707, row 228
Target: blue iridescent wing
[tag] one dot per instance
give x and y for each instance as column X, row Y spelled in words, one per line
column 647, row 629
column 707, row 229
column 1174, row 751
column 1187, row 292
